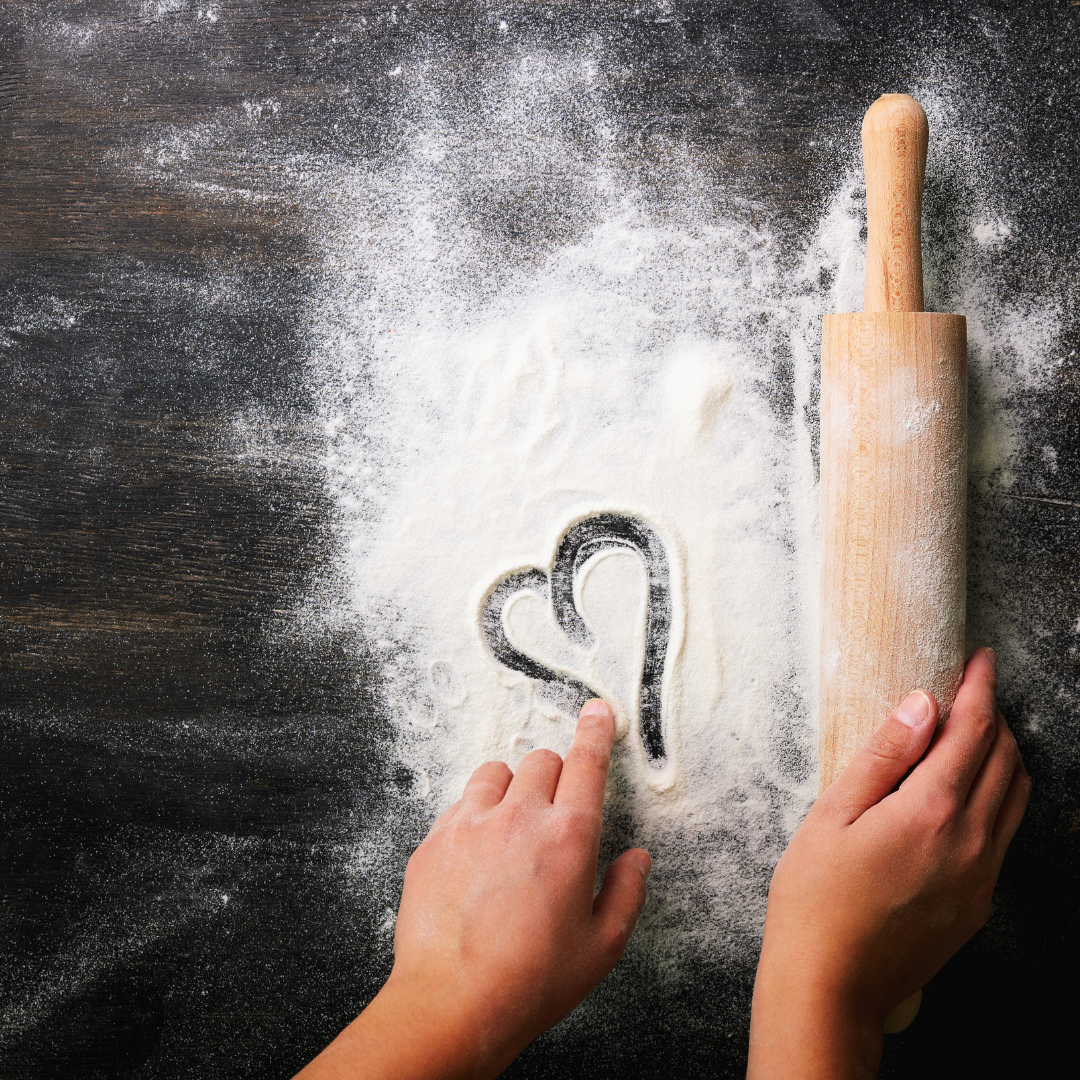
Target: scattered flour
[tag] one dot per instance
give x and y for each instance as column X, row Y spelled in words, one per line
column 477, row 406
column 483, row 430
column 520, row 324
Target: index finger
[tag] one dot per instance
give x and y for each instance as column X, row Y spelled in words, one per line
column 957, row 754
column 585, row 768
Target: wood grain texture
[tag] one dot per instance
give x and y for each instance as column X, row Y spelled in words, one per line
column 893, row 487
column 894, row 138
column 894, row 471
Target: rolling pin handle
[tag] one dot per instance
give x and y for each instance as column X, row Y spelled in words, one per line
column 894, row 139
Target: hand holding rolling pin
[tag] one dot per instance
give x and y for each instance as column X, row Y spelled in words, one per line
column 908, row 873
column 883, row 883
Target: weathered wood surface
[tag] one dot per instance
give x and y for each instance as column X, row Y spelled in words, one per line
column 165, row 735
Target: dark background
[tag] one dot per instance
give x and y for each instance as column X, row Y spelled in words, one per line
column 170, row 736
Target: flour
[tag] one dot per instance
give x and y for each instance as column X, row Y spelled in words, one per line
column 476, row 406
column 470, row 428
column 544, row 264
column 529, row 419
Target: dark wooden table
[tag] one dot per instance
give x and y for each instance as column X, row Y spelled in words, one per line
column 180, row 757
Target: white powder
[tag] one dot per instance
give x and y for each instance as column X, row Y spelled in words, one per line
column 478, row 403
column 628, row 372
column 578, row 321
column 487, row 429
column 653, row 354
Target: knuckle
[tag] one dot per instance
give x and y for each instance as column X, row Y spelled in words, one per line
column 940, row 812
column 1008, row 744
column 542, row 757
column 573, row 827
column 511, row 825
column 983, row 725
column 614, row 938
column 514, row 816
column 889, row 742
column 973, row 859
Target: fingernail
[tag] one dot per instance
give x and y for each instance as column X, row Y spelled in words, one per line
column 643, row 862
column 992, row 657
column 596, row 707
column 914, row 710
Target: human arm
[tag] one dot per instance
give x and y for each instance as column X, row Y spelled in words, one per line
column 499, row 934
column 882, row 884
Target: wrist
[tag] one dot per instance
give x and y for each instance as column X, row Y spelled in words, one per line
column 445, row 1026
column 411, row 1030
column 807, row 1022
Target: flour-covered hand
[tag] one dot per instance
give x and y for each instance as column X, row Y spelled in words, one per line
column 499, row 934
column 886, row 878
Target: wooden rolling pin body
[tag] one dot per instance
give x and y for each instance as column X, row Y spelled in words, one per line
column 893, row 472
column 893, row 466
column 893, row 484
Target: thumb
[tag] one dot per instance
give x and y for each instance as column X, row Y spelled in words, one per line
column 619, row 902
column 889, row 753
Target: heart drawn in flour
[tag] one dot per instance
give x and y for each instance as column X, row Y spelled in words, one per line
column 582, row 541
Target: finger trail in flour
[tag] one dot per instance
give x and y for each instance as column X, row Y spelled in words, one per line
column 563, row 688
column 580, row 543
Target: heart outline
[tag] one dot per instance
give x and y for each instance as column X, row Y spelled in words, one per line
column 580, row 542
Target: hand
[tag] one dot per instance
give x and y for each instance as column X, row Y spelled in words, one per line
column 499, row 934
column 882, row 884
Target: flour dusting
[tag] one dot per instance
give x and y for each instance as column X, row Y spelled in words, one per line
column 330, row 324
column 475, row 409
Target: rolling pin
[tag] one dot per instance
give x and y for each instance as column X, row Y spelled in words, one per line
column 893, row 471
